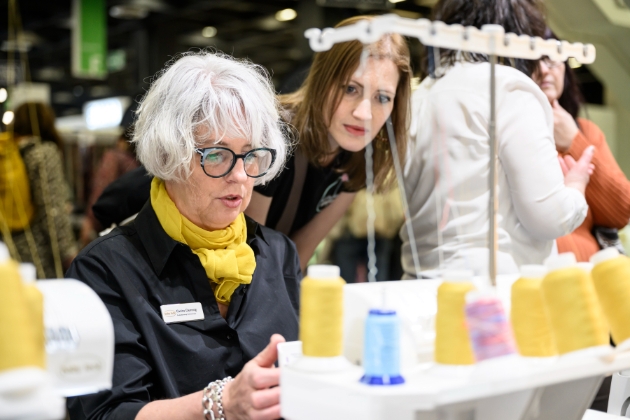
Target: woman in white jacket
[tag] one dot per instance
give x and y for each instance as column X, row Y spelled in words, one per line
column 447, row 168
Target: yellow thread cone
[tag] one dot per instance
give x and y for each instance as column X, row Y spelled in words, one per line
column 17, row 338
column 321, row 315
column 530, row 320
column 611, row 279
column 452, row 342
column 35, row 302
column 576, row 318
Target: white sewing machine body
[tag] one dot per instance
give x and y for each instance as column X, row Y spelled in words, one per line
column 79, row 352
column 79, row 337
column 508, row 388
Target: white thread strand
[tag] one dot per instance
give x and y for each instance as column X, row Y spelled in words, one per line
column 369, row 177
column 403, row 196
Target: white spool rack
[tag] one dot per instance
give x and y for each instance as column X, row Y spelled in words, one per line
column 491, row 39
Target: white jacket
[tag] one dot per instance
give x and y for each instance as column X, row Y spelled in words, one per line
column 447, row 172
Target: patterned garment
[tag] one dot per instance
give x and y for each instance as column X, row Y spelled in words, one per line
column 45, row 156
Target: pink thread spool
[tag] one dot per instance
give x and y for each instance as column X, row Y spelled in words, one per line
column 488, row 326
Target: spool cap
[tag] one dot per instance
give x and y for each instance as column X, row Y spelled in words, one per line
column 456, row 276
column 28, row 272
column 586, row 266
column 382, row 312
column 604, row 255
column 322, row 271
column 533, row 271
column 4, row 253
column 560, row 261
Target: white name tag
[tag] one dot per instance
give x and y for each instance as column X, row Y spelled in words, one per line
column 182, row 312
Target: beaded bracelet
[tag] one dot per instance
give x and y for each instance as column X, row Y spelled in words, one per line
column 213, row 395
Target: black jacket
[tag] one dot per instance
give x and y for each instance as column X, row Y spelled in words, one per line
column 137, row 268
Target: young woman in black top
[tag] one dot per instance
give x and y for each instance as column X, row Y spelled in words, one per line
column 341, row 104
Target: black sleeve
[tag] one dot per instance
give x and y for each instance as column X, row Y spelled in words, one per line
column 131, row 380
column 123, row 198
column 292, row 274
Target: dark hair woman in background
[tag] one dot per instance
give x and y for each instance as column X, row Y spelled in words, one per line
column 446, row 175
column 608, row 192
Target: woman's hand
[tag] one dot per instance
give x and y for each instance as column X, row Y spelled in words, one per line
column 564, row 127
column 577, row 174
column 254, row 393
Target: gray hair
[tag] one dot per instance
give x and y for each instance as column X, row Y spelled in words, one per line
column 232, row 98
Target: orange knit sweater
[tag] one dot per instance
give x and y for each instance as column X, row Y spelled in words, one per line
column 607, row 193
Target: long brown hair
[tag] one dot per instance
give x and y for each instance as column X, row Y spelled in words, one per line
column 522, row 17
column 36, row 119
column 313, row 105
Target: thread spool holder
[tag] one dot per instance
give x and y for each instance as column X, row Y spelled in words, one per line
column 490, row 40
column 509, row 388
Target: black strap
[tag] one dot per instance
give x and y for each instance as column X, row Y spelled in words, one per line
column 288, row 215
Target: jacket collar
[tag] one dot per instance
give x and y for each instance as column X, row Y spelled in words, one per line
column 160, row 246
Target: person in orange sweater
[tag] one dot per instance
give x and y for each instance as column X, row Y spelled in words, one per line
column 608, row 192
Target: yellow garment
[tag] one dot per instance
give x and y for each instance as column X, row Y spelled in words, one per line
column 452, row 342
column 16, row 207
column 530, row 320
column 388, row 210
column 321, row 317
column 225, row 255
column 612, row 282
column 577, row 320
column 21, row 321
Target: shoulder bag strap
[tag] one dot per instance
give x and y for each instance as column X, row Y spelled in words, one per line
column 290, row 209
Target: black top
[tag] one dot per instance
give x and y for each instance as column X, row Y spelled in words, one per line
column 123, row 198
column 321, row 186
column 137, row 268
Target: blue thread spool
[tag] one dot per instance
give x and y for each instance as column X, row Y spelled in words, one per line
column 381, row 349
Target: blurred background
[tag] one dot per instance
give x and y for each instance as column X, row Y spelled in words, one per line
column 91, row 59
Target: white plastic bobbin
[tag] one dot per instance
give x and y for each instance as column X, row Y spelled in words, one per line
column 586, row 266
column 604, row 255
column 533, row 271
column 457, row 276
column 323, row 272
column 4, row 253
column 28, row 272
column 560, row 261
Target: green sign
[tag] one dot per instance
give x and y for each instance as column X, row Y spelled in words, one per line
column 89, row 40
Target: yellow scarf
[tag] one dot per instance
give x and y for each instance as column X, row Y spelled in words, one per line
column 225, row 255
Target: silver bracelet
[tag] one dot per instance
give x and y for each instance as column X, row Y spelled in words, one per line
column 213, row 395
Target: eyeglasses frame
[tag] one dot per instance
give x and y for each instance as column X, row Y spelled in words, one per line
column 236, row 157
column 550, row 63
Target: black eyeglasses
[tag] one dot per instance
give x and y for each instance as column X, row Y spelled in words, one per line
column 219, row 161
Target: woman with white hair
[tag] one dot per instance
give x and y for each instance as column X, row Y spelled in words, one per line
column 197, row 291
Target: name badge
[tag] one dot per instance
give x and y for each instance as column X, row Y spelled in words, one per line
column 182, row 312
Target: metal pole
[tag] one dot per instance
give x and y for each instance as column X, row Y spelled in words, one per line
column 494, row 202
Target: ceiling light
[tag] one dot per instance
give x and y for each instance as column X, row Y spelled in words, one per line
column 7, row 118
column 209, row 32
column 128, row 11
column 396, row 1
column 3, row 95
column 285, row 15
column 573, row 63
column 104, row 113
